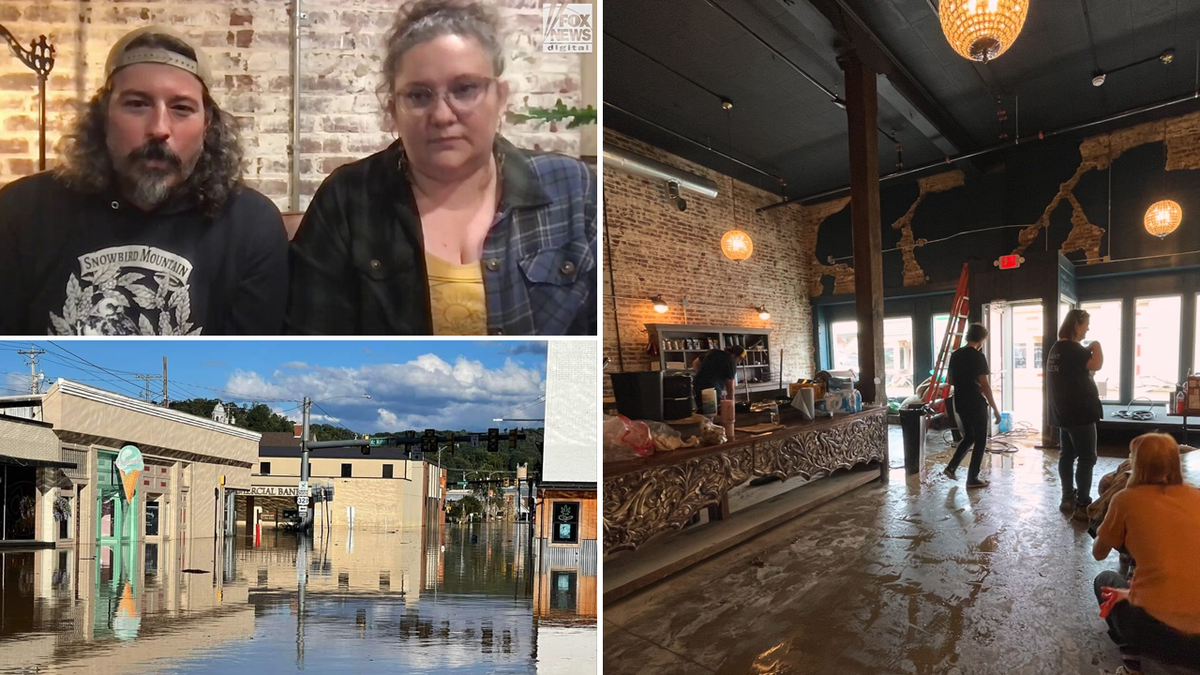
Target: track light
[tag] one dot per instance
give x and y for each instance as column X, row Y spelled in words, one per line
column 660, row 305
column 673, row 193
column 1165, row 57
column 763, row 313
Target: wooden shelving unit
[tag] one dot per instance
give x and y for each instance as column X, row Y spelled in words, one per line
column 680, row 344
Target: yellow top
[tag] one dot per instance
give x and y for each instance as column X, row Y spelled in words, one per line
column 456, row 297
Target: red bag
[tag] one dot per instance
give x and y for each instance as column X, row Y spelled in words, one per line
column 637, row 436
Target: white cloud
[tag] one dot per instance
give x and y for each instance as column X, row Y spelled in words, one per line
column 425, row 392
column 295, row 365
column 387, row 419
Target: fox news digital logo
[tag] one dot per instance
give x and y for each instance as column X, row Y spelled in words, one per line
column 567, row 27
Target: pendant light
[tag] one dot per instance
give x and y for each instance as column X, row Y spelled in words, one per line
column 735, row 244
column 1163, row 218
column 981, row 30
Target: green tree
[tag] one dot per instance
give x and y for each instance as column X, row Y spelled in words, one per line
column 462, row 508
column 329, row 432
column 200, row 407
column 255, row 417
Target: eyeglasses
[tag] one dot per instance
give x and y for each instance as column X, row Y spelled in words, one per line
column 462, row 96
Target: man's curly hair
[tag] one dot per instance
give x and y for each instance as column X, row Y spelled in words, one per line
column 88, row 167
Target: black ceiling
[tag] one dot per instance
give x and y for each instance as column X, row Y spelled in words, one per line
column 668, row 62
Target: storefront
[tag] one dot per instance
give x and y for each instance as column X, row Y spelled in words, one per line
column 31, row 468
column 189, row 468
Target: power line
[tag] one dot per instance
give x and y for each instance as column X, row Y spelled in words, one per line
column 80, row 358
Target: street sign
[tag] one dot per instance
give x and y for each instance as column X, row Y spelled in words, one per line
column 474, row 440
column 303, row 509
column 302, row 489
column 380, row 440
column 302, row 500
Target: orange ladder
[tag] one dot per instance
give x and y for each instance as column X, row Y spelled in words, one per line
column 956, row 331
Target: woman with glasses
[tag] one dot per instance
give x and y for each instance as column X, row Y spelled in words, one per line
column 451, row 230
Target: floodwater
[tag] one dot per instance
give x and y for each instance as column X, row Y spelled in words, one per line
column 462, row 599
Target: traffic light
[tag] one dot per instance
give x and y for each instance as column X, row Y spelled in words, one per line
column 493, row 440
column 512, row 440
column 450, row 442
column 429, row 442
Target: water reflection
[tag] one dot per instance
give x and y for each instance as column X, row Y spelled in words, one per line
column 460, row 599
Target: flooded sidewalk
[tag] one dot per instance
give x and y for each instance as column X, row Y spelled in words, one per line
column 464, row 599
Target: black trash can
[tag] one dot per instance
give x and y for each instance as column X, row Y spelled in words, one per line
column 912, row 425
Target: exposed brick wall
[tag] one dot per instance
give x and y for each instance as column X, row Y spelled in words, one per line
column 656, row 249
column 249, row 43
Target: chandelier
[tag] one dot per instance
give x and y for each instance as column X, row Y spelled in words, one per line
column 1162, row 218
column 736, row 245
column 981, row 30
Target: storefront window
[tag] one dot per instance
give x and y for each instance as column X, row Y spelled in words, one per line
column 940, row 321
column 844, row 345
column 1156, row 347
column 565, row 521
column 898, row 357
column 1104, row 326
column 152, row 519
column 562, row 590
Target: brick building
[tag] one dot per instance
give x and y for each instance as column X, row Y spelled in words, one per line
column 386, row 490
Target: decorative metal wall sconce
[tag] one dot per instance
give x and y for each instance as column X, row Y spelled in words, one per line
column 40, row 59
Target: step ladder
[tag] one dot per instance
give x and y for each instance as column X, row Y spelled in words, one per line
column 955, row 337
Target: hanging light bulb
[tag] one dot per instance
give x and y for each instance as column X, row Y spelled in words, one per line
column 736, row 245
column 982, row 30
column 1163, row 218
column 763, row 313
column 660, row 305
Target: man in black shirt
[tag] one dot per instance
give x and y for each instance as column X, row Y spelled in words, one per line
column 972, row 397
column 718, row 370
column 145, row 228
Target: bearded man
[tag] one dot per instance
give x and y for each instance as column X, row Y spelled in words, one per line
column 145, row 228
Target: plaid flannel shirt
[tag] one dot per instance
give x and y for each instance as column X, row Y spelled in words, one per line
column 358, row 262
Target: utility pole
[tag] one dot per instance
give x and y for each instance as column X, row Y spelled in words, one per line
column 302, row 492
column 146, row 379
column 31, row 358
column 166, row 399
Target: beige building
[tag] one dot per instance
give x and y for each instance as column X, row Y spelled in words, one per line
column 383, row 490
column 193, row 467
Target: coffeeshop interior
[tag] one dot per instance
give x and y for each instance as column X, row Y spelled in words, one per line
column 900, row 337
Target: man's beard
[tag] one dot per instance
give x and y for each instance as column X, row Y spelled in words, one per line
column 150, row 187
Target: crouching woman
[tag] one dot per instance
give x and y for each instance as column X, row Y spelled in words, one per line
column 1156, row 518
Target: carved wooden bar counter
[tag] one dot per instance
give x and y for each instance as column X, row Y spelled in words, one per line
column 646, row 496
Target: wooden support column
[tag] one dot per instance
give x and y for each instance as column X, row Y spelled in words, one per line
column 862, row 105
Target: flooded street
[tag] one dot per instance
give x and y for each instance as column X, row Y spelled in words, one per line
column 462, row 599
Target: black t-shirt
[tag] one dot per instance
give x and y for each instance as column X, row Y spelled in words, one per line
column 79, row 264
column 966, row 365
column 1074, row 400
column 716, row 369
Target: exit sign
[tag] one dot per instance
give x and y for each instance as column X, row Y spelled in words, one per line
column 1009, row 262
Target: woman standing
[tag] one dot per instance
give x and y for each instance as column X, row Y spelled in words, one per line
column 1156, row 518
column 451, row 230
column 1075, row 409
column 972, row 398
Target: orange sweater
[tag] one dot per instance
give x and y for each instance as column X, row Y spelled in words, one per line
column 1160, row 527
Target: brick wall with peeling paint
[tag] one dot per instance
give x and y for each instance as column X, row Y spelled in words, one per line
column 249, row 44
column 1129, row 169
column 656, row 249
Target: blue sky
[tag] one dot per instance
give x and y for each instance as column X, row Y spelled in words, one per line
column 413, row 384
